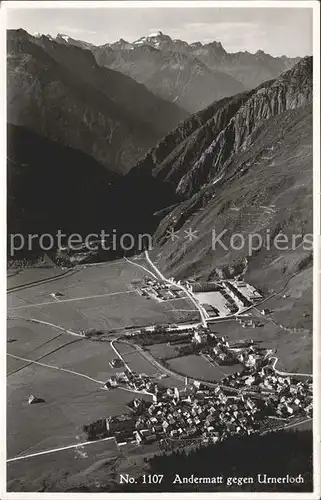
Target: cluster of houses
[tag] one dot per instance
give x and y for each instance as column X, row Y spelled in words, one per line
column 247, row 321
column 219, row 350
column 202, row 412
column 293, row 398
column 137, row 382
column 208, row 412
column 197, row 412
column 286, row 396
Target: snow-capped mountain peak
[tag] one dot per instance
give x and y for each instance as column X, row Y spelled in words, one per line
column 157, row 33
column 155, row 39
column 63, row 37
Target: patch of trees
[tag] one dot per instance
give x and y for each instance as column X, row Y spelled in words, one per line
column 96, row 430
column 275, row 454
column 149, row 338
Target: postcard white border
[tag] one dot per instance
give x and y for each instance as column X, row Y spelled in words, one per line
column 315, row 6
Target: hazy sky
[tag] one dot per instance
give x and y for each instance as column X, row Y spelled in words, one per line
column 275, row 30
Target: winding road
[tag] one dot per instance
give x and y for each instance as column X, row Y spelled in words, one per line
column 203, row 314
column 287, row 374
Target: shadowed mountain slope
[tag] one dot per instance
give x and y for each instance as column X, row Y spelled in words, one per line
column 53, row 187
column 202, row 149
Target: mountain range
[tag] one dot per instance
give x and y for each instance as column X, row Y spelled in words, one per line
column 59, row 97
column 192, row 75
column 210, row 154
column 62, row 94
column 243, row 164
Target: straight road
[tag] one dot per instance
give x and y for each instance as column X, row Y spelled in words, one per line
column 52, row 325
column 32, row 284
column 62, row 301
column 55, row 450
column 31, row 361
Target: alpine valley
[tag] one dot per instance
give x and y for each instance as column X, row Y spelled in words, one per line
column 202, row 339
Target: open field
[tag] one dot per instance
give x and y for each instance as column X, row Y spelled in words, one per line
column 31, row 340
column 89, row 466
column 233, row 330
column 71, row 399
column 71, row 370
column 165, row 351
column 115, row 311
column 72, row 467
column 96, row 297
column 19, row 277
column 199, row 368
column 140, row 364
column 70, row 402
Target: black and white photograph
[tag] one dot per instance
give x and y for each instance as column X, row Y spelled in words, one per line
column 161, row 212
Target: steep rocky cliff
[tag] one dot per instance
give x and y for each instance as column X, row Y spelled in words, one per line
column 291, row 90
column 199, row 151
column 243, row 164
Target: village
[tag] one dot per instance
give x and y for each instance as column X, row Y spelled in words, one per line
column 248, row 393
column 255, row 399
